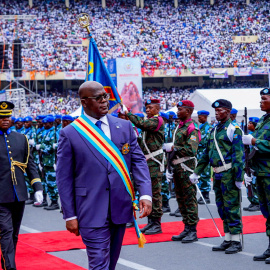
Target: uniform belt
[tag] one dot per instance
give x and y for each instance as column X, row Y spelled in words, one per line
column 154, row 154
column 181, row 160
column 222, row 168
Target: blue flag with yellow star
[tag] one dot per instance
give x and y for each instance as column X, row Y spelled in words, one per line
column 97, row 71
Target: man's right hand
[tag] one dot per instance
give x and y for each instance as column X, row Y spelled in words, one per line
column 73, row 226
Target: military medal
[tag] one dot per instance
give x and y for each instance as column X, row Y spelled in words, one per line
column 125, row 149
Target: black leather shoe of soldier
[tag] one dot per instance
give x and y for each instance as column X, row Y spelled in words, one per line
column 177, row 213
column 54, row 206
column 130, row 225
column 30, row 200
column 200, row 201
column 262, row 257
column 206, row 197
column 222, row 247
column 155, row 228
column 254, row 207
column 234, row 248
column 182, row 235
column 191, row 236
column 146, row 227
column 247, row 208
column 166, row 207
column 267, row 261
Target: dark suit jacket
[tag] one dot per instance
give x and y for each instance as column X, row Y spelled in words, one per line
column 89, row 187
column 14, row 145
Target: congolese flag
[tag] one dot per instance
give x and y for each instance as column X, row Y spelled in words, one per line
column 96, row 71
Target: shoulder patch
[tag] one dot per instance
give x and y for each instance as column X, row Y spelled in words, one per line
column 235, row 136
column 193, row 138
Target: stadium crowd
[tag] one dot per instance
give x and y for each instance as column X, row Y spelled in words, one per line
column 194, row 35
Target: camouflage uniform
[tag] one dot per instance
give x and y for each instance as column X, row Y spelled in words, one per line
column 154, row 141
column 30, row 133
column 48, row 160
column 261, row 164
column 186, row 145
column 21, row 130
column 227, row 194
column 205, row 177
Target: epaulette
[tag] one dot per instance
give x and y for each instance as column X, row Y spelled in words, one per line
column 235, row 125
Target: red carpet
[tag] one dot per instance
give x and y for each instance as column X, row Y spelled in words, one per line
column 64, row 240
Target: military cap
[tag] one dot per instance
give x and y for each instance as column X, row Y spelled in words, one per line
column 58, row 116
column 186, row 104
column 40, row 117
column 175, row 117
column 163, row 114
column 222, row 103
column 254, row 119
column 234, row 111
column 20, row 119
column 48, row 119
column 27, row 118
column 152, row 101
column 202, row 112
column 140, row 115
column 171, row 113
column 6, row 108
column 265, row 91
column 68, row 117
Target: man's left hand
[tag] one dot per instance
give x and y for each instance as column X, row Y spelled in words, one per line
column 145, row 208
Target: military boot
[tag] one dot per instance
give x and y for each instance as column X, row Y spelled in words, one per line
column 235, row 247
column 224, row 245
column 166, row 207
column 206, row 198
column 182, row 235
column 54, row 206
column 155, row 228
column 31, row 199
column 264, row 256
column 149, row 224
column 191, row 236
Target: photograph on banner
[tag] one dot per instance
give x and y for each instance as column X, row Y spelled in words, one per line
column 129, row 83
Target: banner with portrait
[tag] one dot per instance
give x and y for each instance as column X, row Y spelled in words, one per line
column 129, row 82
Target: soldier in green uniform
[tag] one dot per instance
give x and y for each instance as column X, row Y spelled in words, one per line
column 48, row 160
column 183, row 161
column 205, row 177
column 19, row 125
column 30, row 133
column 151, row 144
column 224, row 151
column 260, row 139
column 38, row 158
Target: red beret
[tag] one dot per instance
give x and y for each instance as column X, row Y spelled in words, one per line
column 152, row 101
column 185, row 103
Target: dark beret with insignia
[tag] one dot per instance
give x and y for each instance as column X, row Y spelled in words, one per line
column 152, row 101
column 222, row 103
column 6, row 108
column 202, row 112
column 265, row 91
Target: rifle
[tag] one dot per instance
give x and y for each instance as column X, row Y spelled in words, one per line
column 247, row 153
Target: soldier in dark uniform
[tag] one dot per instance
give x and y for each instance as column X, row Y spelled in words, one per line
column 15, row 159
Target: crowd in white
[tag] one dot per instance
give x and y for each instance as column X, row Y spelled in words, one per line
column 194, row 35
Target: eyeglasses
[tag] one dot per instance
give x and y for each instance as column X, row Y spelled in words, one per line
column 100, row 98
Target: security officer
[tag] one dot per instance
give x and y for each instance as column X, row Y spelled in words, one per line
column 38, row 158
column 254, row 201
column 15, row 159
column 183, row 160
column 48, row 159
column 205, row 178
column 151, row 145
column 66, row 120
column 19, row 125
column 224, row 151
column 58, row 123
column 233, row 115
column 260, row 163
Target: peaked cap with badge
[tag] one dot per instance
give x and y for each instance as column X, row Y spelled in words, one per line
column 6, row 108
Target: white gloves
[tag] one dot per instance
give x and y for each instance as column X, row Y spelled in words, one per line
column 247, row 139
column 248, row 179
column 168, row 147
column 39, row 197
column 238, row 184
column 40, row 167
column 123, row 109
column 55, row 145
column 194, row 178
column 169, row 176
column 38, row 146
column 54, row 166
column 31, row 142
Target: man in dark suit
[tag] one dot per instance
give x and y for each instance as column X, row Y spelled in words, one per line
column 15, row 159
column 94, row 199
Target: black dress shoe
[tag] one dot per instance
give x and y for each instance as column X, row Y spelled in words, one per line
column 182, row 235
column 222, row 247
column 166, row 207
column 247, row 208
column 53, row 206
column 267, row 261
column 262, row 257
column 200, row 201
column 191, row 236
column 177, row 213
column 130, row 225
column 234, row 248
column 155, row 228
column 254, row 207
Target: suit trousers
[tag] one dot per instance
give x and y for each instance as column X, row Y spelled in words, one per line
column 103, row 245
column 10, row 220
